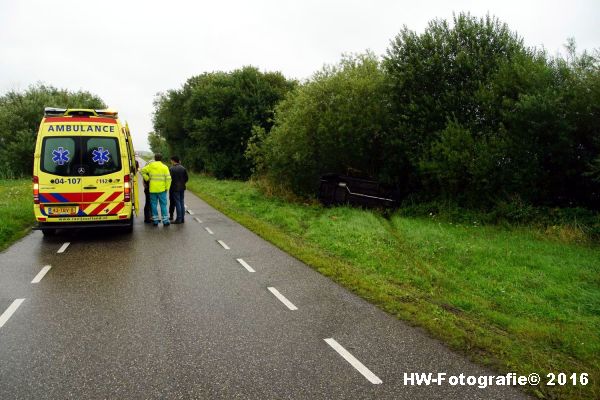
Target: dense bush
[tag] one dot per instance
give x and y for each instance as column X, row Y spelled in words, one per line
column 209, row 121
column 463, row 112
column 480, row 117
column 334, row 123
column 20, row 116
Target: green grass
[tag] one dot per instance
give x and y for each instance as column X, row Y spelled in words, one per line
column 16, row 210
column 510, row 298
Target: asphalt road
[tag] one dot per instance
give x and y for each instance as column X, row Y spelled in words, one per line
column 171, row 313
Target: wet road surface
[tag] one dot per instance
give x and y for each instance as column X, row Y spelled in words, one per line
column 201, row 310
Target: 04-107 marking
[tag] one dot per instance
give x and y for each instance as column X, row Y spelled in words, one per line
column 70, row 181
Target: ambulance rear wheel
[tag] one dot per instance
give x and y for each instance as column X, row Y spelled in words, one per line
column 48, row 231
column 129, row 227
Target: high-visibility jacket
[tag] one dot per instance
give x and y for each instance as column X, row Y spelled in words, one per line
column 158, row 175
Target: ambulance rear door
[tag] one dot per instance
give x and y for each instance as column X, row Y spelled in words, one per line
column 59, row 183
column 134, row 169
column 102, row 177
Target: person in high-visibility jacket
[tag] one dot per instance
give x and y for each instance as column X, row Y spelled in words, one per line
column 159, row 178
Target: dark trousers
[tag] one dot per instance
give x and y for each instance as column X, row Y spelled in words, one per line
column 179, row 204
column 147, row 211
column 171, row 204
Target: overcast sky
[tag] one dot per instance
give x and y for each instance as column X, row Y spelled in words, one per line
column 126, row 51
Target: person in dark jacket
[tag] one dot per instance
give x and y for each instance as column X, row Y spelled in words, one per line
column 147, row 210
column 179, row 178
column 171, row 204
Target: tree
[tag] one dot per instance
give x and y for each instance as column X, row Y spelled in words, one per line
column 158, row 144
column 334, row 123
column 20, row 116
column 480, row 118
column 209, row 121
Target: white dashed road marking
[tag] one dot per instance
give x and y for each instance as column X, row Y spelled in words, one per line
column 197, row 220
column 371, row 377
column 10, row 311
column 281, row 298
column 209, row 231
column 245, row 265
column 222, row 243
column 63, row 247
column 41, row 274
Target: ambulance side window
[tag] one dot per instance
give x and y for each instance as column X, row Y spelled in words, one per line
column 101, row 155
column 58, row 155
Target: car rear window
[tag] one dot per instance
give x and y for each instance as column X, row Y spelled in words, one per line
column 80, row 156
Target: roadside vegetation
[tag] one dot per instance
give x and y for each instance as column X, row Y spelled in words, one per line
column 210, row 119
column 463, row 112
column 16, row 215
column 517, row 298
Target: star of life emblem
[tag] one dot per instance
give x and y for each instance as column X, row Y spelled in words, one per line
column 100, row 156
column 60, row 156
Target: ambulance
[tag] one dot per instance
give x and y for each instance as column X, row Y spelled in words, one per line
column 84, row 171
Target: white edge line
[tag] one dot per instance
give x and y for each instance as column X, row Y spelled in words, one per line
column 245, row 265
column 41, row 274
column 371, row 377
column 222, row 243
column 10, row 311
column 63, row 247
column 282, row 298
column 208, row 230
column 197, row 220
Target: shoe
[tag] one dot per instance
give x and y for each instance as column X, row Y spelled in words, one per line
column 147, row 221
column 166, row 223
column 155, row 224
column 171, row 217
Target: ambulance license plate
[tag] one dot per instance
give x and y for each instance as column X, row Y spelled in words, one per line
column 61, row 210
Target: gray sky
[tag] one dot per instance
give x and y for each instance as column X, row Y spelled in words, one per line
column 126, row 51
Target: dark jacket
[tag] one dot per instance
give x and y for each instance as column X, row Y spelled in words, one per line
column 179, row 177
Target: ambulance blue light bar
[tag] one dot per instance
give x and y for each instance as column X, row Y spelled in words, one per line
column 53, row 111
column 78, row 112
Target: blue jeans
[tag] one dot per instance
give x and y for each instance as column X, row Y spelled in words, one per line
column 155, row 199
column 179, row 204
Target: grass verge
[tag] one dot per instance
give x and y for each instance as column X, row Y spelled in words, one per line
column 16, row 210
column 506, row 297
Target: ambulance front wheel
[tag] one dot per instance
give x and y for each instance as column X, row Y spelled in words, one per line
column 48, row 231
